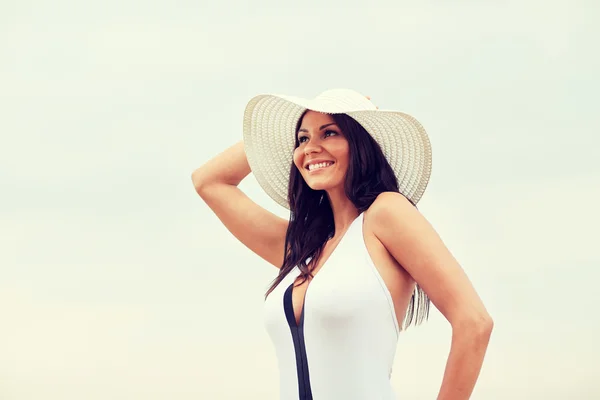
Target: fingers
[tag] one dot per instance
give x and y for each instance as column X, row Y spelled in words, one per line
column 369, row 98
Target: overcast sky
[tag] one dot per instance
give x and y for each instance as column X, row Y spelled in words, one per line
column 117, row 282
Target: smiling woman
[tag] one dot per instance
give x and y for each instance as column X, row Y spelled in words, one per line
column 319, row 148
column 351, row 176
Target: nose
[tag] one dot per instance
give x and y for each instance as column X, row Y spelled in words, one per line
column 312, row 147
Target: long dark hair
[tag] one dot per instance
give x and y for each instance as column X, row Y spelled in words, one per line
column 311, row 217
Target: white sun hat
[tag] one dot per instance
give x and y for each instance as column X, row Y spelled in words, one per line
column 270, row 128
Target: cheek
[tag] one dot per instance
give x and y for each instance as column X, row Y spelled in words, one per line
column 344, row 167
column 343, row 154
column 297, row 158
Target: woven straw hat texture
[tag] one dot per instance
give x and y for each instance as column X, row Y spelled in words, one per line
column 269, row 138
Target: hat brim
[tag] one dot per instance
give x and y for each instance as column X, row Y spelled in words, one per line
column 269, row 140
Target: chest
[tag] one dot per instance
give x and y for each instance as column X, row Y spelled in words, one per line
column 346, row 286
column 301, row 284
column 355, row 277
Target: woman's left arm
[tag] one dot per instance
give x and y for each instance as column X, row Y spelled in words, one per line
column 413, row 242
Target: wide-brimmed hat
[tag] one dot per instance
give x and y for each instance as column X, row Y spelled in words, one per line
column 269, row 138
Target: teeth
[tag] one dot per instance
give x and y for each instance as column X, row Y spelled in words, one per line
column 319, row 165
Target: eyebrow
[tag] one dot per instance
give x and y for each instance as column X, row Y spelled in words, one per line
column 321, row 128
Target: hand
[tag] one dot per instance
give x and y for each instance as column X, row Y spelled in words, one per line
column 369, row 98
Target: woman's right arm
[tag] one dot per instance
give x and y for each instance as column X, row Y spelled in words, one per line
column 258, row 229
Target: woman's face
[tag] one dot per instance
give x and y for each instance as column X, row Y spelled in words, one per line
column 323, row 154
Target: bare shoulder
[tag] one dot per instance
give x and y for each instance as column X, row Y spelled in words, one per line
column 387, row 200
column 417, row 247
column 391, row 211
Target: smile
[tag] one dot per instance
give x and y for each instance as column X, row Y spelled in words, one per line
column 319, row 166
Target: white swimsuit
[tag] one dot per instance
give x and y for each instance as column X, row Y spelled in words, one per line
column 344, row 345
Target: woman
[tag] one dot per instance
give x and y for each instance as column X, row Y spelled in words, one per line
column 351, row 176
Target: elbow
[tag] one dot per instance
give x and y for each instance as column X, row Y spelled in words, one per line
column 485, row 326
column 478, row 327
column 198, row 180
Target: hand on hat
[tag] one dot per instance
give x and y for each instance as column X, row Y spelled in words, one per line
column 369, row 98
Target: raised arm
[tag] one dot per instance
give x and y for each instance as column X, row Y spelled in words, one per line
column 258, row 229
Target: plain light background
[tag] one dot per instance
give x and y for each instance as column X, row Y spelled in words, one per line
column 117, row 282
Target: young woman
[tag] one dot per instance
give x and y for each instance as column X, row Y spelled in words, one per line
column 356, row 257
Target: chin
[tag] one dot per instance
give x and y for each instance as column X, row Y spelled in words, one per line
column 323, row 185
column 319, row 187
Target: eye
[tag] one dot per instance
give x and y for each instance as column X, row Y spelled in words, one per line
column 330, row 132
column 302, row 139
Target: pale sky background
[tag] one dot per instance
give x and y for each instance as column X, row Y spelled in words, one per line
column 117, row 282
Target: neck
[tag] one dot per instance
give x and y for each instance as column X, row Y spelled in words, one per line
column 344, row 211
